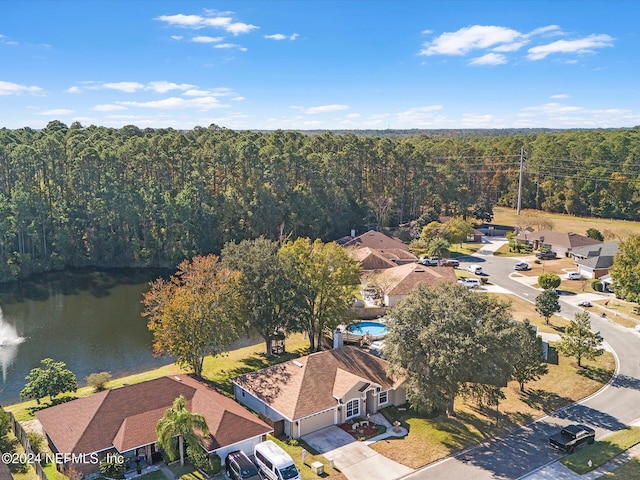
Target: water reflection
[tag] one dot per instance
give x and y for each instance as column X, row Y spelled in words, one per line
column 9, row 341
column 88, row 319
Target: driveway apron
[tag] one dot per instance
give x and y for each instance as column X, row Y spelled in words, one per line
column 354, row 459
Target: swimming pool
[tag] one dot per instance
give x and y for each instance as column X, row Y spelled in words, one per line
column 372, row 330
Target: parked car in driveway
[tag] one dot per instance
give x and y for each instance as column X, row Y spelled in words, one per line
column 573, row 276
column 449, row 262
column 522, row 266
column 239, row 467
column 584, row 303
column 429, row 261
column 546, row 255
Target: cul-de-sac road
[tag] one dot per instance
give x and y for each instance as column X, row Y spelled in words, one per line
column 524, row 451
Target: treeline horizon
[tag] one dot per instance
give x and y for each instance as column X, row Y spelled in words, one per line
column 74, row 196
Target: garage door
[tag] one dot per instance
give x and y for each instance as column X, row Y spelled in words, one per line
column 316, row 422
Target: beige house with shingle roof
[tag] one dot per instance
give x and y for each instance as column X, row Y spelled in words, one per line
column 372, row 247
column 319, row 390
column 124, row 420
column 561, row 243
column 398, row 282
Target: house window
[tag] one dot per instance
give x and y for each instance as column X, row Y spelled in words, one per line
column 383, row 397
column 353, row 408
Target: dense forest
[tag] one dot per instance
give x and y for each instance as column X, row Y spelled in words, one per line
column 94, row 196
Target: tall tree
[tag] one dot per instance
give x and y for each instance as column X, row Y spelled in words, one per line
column 179, row 422
column 547, row 304
column 327, row 278
column 579, row 341
column 528, row 364
column 440, row 338
column 196, row 313
column 626, row 269
column 52, row 378
column 267, row 284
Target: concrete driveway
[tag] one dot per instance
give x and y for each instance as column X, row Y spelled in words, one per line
column 354, row 459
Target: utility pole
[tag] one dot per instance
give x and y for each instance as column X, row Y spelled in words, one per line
column 520, row 180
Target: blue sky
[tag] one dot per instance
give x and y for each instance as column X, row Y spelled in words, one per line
column 305, row 64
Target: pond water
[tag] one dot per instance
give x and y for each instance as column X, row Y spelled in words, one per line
column 88, row 319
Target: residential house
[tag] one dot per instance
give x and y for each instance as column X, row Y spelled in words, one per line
column 561, row 243
column 398, row 282
column 319, row 390
column 394, row 250
column 124, row 420
column 594, row 261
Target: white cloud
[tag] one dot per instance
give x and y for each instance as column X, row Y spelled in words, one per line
column 9, row 88
column 128, row 87
column 205, row 39
column 426, row 32
column 280, row 36
column 108, row 108
column 238, row 99
column 489, row 59
column 470, row 38
column 560, row 96
column 230, row 45
column 193, row 21
column 196, row 93
column 549, row 29
column 326, row 109
column 239, row 27
column 579, row 46
column 177, row 37
column 163, row 86
column 553, row 108
column 56, row 111
column 197, row 22
column 172, row 103
column 74, row 89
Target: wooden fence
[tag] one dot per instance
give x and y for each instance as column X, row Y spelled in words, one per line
column 21, row 435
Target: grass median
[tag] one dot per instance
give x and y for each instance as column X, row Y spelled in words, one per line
column 602, row 451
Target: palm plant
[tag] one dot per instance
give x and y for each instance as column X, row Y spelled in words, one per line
column 180, row 422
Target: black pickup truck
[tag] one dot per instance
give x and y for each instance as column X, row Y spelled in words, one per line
column 571, row 437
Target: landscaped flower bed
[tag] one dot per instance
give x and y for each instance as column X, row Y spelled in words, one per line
column 364, row 429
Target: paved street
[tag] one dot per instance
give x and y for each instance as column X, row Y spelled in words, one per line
column 526, row 450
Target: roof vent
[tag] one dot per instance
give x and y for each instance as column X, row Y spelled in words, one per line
column 177, row 378
column 419, row 270
column 296, row 363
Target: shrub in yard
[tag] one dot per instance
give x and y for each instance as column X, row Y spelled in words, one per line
column 597, row 285
column 113, row 466
column 293, row 442
column 36, row 441
column 208, row 464
column 98, row 380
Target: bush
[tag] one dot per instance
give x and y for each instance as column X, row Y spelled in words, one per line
column 293, row 442
column 98, row 380
column 549, row 280
column 113, row 466
column 208, row 464
column 36, row 441
column 597, row 285
column 5, row 423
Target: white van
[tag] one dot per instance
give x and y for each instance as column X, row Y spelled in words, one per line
column 274, row 462
column 475, row 269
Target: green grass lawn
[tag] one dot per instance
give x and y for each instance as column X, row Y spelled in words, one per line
column 626, row 471
column 602, row 451
column 186, row 472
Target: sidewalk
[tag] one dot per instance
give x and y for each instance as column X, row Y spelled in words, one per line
column 381, row 420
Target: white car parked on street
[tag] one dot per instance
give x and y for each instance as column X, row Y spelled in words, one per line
column 574, row 276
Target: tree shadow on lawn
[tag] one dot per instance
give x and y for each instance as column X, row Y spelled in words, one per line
column 222, row 380
column 602, row 375
column 544, row 401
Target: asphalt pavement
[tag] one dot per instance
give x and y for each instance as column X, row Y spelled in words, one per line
column 525, row 452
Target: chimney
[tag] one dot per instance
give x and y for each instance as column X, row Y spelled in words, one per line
column 338, row 342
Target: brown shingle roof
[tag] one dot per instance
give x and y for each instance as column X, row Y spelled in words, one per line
column 401, row 280
column 370, row 259
column 126, row 417
column 376, row 240
column 311, row 384
column 566, row 240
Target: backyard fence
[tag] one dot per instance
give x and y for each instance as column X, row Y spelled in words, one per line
column 21, row 435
